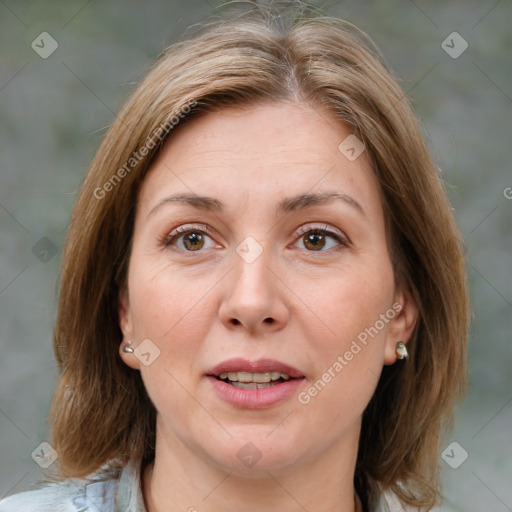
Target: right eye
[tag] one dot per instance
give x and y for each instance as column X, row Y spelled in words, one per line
column 188, row 239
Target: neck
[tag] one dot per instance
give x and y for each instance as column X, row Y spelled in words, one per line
column 180, row 480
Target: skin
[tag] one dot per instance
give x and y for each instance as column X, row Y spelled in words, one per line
column 205, row 306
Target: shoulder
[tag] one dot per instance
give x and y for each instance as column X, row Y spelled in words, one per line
column 68, row 496
column 389, row 502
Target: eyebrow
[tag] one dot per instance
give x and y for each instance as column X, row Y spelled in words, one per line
column 300, row 202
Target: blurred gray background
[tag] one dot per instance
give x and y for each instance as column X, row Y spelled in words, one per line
column 54, row 111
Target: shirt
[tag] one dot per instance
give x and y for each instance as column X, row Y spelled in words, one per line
column 99, row 493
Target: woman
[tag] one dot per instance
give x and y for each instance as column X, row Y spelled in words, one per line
column 263, row 300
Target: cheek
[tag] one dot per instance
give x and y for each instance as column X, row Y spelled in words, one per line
column 168, row 307
column 349, row 340
column 172, row 312
column 348, row 303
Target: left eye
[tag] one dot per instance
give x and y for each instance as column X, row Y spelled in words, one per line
column 316, row 240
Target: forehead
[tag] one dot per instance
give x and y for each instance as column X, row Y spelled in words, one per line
column 258, row 153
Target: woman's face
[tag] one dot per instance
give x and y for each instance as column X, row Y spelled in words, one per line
column 259, row 250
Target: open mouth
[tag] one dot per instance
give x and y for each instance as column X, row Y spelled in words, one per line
column 246, row 380
column 258, row 384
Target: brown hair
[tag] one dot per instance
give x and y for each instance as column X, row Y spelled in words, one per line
column 101, row 413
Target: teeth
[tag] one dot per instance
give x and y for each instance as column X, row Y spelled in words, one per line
column 246, row 377
column 253, row 385
column 260, row 377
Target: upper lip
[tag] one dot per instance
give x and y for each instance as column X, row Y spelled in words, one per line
column 240, row 364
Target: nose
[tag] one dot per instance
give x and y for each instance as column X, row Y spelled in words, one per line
column 254, row 298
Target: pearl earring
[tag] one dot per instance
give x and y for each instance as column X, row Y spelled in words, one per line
column 127, row 349
column 401, row 350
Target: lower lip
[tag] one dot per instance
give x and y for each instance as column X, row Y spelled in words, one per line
column 255, row 398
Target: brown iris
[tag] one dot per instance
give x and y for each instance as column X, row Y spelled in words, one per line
column 317, row 241
column 195, row 241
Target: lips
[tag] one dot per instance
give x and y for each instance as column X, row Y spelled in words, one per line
column 255, row 384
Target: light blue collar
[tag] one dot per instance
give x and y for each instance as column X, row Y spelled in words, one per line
column 129, row 491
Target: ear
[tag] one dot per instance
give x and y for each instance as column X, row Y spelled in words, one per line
column 402, row 325
column 126, row 326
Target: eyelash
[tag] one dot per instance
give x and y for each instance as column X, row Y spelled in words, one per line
column 169, row 239
column 303, row 230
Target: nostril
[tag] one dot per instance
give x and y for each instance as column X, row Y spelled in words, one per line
column 267, row 320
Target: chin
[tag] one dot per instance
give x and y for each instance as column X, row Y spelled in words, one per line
column 254, row 451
